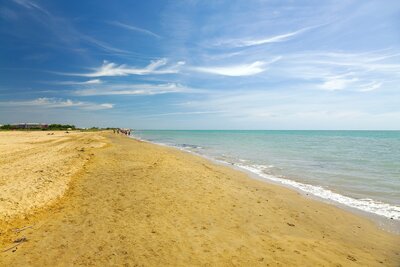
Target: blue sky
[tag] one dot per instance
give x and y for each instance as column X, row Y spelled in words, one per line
column 201, row 64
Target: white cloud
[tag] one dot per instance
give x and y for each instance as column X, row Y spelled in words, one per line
column 112, row 69
column 260, row 41
column 94, row 81
column 102, row 45
column 182, row 113
column 366, row 62
column 134, row 28
column 89, row 82
column 237, row 70
column 31, row 5
column 65, row 32
column 359, row 72
column 370, row 87
column 136, row 89
column 337, row 83
column 105, row 106
column 45, row 102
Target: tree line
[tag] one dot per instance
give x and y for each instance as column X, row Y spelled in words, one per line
column 49, row 127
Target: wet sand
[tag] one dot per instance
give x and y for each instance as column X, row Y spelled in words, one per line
column 126, row 202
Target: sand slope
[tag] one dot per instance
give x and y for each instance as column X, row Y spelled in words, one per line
column 137, row 204
column 36, row 167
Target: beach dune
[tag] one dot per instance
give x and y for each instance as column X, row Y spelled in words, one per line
column 107, row 200
column 36, row 167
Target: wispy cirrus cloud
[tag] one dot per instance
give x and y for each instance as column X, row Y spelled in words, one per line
column 133, row 28
column 237, row 70
column 181, row 113
column 102, row 45
column 112, row 69
column 339, row 82
column 89, row 82
column 65, row 31
column 136, row 89
column 372, row 86
column 31, row 5
column 260, row 41
column 335, row 71
column 45, row 102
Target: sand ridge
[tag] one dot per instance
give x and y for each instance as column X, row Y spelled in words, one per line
column 138, row 204
column 36, row 167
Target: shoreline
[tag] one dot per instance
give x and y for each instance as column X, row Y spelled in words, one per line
column 387, row 224
column 139, row 203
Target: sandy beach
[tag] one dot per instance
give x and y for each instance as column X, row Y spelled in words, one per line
column 100, row 199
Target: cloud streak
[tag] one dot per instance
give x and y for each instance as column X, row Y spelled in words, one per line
column 266, row 40
column 112, row 69
column 237, row 70
column 136, row 89
column 65, row 32
column 102, row 45
column 370, row 86
column 45, row 102
column 339, row 82
column 339, row 71
column 89, row 82
column 31, row 5
column 181, row 113
column 134, row 28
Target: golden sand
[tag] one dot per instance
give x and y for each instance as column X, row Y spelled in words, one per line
column 36, row 167
column 130, row 203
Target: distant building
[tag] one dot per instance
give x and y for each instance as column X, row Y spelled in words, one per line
column 29, row 125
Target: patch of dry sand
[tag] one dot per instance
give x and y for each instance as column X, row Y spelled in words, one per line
column 36, row 167
column 138, row 204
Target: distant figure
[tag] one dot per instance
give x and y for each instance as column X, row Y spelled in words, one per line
column 123, row 131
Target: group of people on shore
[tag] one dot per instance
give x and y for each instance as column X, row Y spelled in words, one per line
column 122, row 131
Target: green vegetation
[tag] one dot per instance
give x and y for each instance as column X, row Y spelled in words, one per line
column 6, row 127
column 53, row 127
column 38, row 127
column 49, row 127
column 92, row 129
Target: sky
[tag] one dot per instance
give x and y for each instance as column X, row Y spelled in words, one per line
column 201, row 64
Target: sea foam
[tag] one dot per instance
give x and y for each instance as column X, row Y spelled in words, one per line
column 365, row 204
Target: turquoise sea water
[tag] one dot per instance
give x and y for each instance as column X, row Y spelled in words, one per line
column 360, row 169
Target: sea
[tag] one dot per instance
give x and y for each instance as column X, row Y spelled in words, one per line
column 356, row 169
